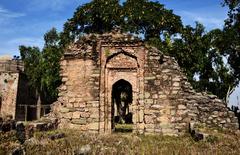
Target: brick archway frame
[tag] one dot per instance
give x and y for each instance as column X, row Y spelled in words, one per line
column 120, row 65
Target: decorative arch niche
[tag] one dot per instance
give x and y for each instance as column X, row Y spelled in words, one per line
column 120, row 67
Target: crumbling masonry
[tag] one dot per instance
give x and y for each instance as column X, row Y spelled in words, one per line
column 98, row 69
column 17, row 98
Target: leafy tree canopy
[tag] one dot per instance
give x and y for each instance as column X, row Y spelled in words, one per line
column 232, row 35
column 201, row 54
column 136, row 16
column 42, row 67
column 233, row 13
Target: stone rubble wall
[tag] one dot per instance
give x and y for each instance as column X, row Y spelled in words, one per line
column 77, row 105
column 166, row 101
column 171, row 103
column 15, row 91
column 8, row 93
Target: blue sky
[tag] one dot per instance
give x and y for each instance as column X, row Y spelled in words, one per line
column 24, row 22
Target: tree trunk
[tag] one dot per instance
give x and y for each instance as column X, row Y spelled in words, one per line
column 38, row 105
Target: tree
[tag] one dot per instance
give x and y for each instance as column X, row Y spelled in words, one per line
column 32, row 59
column 200, row 55
column 233, row 13
column 98, row 16
column 51, row 55
column 232, row 36
column 42, row 68
column 148, row 18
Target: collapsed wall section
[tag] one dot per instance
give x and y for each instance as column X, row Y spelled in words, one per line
column 171, row 103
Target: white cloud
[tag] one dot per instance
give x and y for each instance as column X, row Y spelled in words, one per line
column 4, row 13
column 207, row 18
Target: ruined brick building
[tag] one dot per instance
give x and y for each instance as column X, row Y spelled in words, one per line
column 17, row 98
column 115, row 77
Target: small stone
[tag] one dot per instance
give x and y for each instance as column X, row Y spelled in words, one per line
column 228, row 120
column 150, row 78
column 166, row 70
column 149, row 101
column 162, row 96
column 156, row 106
column 76, row 114
column 141, row 114
column 182, row 107
column 176, row 84
column 147, row 95
column 223, row 122
column 72, row 100
column 176, row 79
column 64, row 79
column 155, row 96
column 86, row 149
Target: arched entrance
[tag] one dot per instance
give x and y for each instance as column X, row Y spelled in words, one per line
column 122, row 97
column 121, row 92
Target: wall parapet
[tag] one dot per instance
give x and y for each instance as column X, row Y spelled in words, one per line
column 14, row 66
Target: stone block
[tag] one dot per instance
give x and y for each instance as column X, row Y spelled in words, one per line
column 147, row 95
column 67, row 115
column 64, row 110
column 64, row 79
column 141, row 115
column 80, row 121
column 182, row 107
column 162, row 96
column 148, row 119
column 176, row 79
column 166, row 70
column 85, row 115
column 94, row 115
column 76, row 114
column 149, row 111
column 93, row 126
column 149, row 101
column 176, row 84
column 223, row 122
column 72, row 100
column 157, row 106
column 155, row 96
column 150, row 78
column 182, row 112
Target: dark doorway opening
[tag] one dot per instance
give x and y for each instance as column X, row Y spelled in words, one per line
column 121, row 100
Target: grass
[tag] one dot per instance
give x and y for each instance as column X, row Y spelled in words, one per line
column 124, row 143
column 123, row 128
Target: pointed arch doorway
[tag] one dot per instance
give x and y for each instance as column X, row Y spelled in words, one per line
column 121, row 106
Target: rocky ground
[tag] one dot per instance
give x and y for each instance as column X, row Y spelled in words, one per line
column 72, row 142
